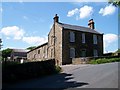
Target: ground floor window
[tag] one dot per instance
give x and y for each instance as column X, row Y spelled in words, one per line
column 72, row 52
column 52, row 53
column 95, row 53
column 83, row 53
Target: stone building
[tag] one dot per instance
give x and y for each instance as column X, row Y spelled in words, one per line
column 66, row 42
column 18, row 55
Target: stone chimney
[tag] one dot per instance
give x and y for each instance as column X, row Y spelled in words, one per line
column 91, row 24
column 56, row 18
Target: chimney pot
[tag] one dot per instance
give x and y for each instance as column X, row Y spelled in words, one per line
column 56, row 18
column 91, row 24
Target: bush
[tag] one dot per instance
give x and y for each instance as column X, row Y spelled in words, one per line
column 104, row 60
column 17, row 72
column 58, row 69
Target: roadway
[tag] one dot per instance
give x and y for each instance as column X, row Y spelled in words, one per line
column 77, row 76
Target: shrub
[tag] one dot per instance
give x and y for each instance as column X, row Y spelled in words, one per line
column 58, row 69
column 104, row 60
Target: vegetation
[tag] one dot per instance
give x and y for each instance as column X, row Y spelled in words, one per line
column 0, row 43
column 15, row 72
column 6, row 53
column 104, row 60
column 30, row 48
column 115, row 2
column 118, row 51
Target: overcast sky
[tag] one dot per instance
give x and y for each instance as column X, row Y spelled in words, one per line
column 27, row 24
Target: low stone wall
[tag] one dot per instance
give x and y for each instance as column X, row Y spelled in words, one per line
column 83, row 60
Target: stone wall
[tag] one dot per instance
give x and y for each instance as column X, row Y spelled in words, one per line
column 38, row 54
column 81, row 60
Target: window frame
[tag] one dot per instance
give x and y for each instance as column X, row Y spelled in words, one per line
column 72, row 52
column 95, row 41
column 95, row 53
column 72, row 36
column 83, row 38
column 82, row 53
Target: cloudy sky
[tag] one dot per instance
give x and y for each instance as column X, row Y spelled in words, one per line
column 27, row 24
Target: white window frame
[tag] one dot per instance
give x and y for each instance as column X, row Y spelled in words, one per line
column 83, row 37
column 94, row 39
column 72, row 36
column 72, row 52
column 95, row 53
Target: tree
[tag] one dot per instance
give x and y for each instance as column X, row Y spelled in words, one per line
column 115, row 2
column 118, row 51
column 30, row 48
column 0, row 50
column 6, row 53
column 0, row 43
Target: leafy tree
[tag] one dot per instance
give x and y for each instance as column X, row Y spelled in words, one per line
column 30, row 48
column 115, row 2
column 6, row 53
column 118, row 51
column 0, row 43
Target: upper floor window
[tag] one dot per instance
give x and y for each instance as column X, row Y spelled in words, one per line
column 95, row 53
column 72, row 37
column 94, row 39
column 72, row 52
column 38, row 51
column 83, row 37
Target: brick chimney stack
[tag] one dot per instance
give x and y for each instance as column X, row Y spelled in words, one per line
column 91, row 24
column 56, row 18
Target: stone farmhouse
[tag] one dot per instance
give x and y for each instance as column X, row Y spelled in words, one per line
column 66, row 42
column 18, row 55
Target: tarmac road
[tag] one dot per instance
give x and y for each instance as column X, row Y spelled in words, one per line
column 77, row 76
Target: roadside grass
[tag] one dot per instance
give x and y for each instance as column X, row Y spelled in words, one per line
column 104, row 60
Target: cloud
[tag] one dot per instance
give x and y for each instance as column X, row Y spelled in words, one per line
column 109, row 40
column 13, row 31
column 1, row 9
column 81, row 13
column 7, row 37
column 35, row 40
column 108, row 10
column 86, row 11
column 16, row 33
column 72, row 12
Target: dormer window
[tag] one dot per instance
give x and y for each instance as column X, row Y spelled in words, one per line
column 72, row 36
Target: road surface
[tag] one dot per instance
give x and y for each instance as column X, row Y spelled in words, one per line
column 77, row 76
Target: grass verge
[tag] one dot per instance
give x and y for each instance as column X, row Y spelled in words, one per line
column 104, row 60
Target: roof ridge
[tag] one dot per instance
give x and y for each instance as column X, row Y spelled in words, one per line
column 79, row 28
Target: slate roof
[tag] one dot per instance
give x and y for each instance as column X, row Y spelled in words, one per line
column 20, row 50
column 38, row 46
column 78, row 28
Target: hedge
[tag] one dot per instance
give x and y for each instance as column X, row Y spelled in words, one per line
column 104, row 60
column 17, row 72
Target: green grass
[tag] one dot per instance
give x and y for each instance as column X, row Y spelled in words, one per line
column 104, row 60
